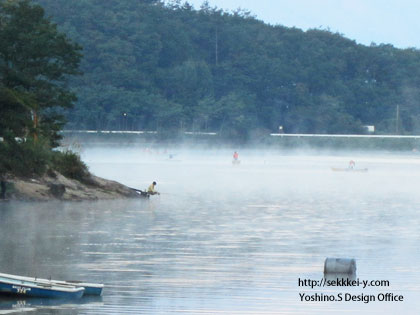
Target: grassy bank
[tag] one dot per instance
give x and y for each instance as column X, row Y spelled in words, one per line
column 31, row 170
column 35, row 158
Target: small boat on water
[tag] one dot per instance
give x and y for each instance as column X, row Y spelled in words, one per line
column 15, row 285
column 356, row 170
column 90, row 288
column 141, row 193
column 44, row 288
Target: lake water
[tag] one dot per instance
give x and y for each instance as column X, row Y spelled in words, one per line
column 223, row 238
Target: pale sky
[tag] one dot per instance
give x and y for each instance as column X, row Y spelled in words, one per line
column 395, row 22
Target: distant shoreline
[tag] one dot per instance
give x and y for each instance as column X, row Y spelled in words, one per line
column 272, row 141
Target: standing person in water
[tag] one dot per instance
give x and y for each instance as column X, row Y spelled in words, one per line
column 235, row 156
column 352, row 164
column 151, row 190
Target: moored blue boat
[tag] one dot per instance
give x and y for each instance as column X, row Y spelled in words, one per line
column 32, row 287
column 89, row 288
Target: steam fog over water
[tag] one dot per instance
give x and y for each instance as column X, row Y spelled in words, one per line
column 223, row 238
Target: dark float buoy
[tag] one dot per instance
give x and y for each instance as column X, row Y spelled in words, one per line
column 340, row 266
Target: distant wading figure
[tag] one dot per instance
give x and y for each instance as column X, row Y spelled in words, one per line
column 352, row 164
column 235, row 158
column 151, row 190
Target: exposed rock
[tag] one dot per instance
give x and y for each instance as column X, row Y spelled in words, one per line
column 59, row 187
column 57, row 190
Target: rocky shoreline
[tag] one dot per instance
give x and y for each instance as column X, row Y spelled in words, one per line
column 55, row 186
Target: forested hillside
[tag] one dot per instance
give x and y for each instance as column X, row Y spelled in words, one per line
column 151, row 66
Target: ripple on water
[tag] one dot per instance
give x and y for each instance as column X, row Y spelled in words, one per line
column 234, row 247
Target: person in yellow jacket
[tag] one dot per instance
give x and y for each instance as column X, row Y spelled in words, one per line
column 151, row 190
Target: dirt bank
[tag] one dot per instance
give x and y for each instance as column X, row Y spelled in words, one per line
column 57, row 187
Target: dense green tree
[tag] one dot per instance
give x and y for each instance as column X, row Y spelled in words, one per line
column 13, row 104
column 35, row 61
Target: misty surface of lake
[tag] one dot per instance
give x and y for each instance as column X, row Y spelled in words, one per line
column 223, row 238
